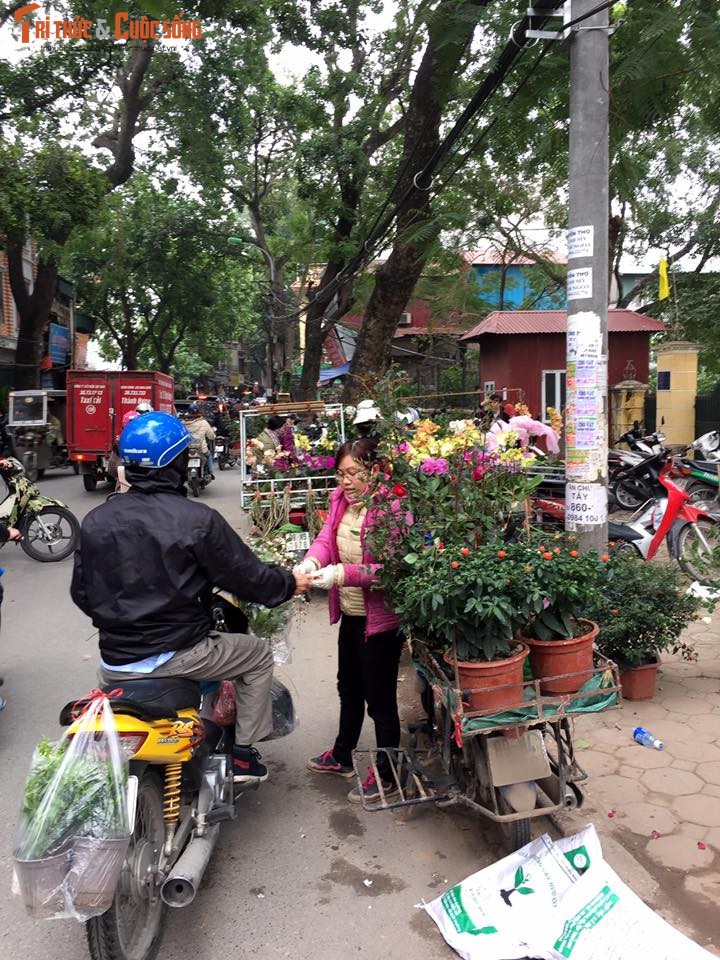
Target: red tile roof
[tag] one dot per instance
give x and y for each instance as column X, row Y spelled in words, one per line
column 497, row 255
column 555, row 321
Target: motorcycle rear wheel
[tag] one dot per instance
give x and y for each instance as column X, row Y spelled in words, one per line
column 195, row 486
column 627, row 496
column 132, row 928
column 694, row 558
column 50, row 535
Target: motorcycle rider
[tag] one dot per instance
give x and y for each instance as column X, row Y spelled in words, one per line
column 144, row 572
column 202, row 431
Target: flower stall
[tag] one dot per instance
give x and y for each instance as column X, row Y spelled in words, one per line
column 292, row 478
column 480, row 595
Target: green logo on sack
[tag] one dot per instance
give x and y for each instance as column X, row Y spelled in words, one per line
column 585, row 919
column 519, row 887
column 579, row 859
column 453, row 906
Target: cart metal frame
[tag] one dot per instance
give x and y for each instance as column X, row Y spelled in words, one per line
column 477, row 768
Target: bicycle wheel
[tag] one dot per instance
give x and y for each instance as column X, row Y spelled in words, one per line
column 699, row 551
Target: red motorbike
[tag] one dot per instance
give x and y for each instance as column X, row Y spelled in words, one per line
column 691, row 533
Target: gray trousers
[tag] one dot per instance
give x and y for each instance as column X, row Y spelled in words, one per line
column 241, row 657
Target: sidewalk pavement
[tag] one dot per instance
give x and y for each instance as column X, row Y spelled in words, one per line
column 658, row 812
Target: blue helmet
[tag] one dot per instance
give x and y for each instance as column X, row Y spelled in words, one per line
column 153, row 440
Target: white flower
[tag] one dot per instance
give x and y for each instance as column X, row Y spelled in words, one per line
column 458, row 426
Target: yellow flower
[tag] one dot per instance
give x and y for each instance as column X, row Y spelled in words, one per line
column 302, row 442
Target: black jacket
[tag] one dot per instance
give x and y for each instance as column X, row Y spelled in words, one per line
column 148, row 560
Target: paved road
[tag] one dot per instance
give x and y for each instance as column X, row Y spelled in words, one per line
column 287, row 877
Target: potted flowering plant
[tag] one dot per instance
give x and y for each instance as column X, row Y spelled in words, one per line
column 560, row 582
column 643, row 611
column 443, row 568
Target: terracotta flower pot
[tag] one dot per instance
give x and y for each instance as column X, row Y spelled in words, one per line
column 638, row 683
column 553, row 660
column 483, row 678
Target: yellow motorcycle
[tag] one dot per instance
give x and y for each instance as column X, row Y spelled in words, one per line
column 185, row 789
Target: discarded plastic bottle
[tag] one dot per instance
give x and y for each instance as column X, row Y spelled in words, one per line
column 643, row 736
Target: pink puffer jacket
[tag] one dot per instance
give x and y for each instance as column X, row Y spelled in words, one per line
column 325, row 550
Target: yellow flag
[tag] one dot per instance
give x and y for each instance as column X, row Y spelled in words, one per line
column 664, row 286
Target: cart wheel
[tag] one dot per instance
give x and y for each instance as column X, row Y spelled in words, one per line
column 89, row 482
column 515, row 833
column 40, row 473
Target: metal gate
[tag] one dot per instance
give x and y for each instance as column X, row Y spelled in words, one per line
column 707, row 412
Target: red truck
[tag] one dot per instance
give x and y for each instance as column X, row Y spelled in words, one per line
column 97, row 401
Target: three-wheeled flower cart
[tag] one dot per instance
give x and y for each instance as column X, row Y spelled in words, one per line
column 511, row 767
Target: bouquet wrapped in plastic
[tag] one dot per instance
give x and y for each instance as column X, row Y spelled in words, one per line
column 74, row 826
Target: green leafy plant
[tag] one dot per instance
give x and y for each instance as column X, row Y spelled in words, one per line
column 464, row 595
column 67, row 796
column 643, row 611
column 560, row 582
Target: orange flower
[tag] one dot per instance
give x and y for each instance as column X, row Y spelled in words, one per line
column 465, row 552
column 615, row 613
column 455, row 564
column 574, row 553
column 547, row 556
column 556, row 550
column 501, row 554
column 604, row 558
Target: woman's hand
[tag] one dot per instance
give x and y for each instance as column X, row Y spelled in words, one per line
column 14, row 534
column 308, row 565
column 326, row 578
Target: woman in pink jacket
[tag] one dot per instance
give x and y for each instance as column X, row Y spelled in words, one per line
column 369, row 643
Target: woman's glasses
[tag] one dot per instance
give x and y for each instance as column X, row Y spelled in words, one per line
column 351, row 474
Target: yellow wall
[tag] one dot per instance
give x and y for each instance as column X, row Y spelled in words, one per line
column 676, row 406
column 627, row 400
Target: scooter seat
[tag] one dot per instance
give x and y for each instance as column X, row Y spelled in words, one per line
column 148, row 699
column 706, row 466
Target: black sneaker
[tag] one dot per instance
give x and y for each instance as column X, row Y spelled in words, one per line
column 3, row 703
column 326, row 763
column 369, row 790
column 247, row 767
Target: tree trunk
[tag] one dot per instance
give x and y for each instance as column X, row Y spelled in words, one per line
column 33, row 312
column 435, row 82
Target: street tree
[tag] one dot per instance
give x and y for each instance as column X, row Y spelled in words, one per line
column 152, row 271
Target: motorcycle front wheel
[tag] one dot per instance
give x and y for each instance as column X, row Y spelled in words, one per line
column 49, row 535
column 133, row 926
column 699, row 551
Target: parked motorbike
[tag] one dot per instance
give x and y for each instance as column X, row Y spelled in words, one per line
column 183, row 764
column 223, row 453
column 708, row 446
column 49, row 530
column 198, row 476
column 625, row 467
column 692, row 534
column 701, row 479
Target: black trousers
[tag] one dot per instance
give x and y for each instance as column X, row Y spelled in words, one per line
column 367, row 674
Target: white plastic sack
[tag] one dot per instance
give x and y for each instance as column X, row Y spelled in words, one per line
column 600, row 918
column 555, row 900
column 490, row 915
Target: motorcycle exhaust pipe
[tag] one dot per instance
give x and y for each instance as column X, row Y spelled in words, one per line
column 181, row 886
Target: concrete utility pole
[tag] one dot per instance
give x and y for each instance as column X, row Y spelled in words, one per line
column 586, row 418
